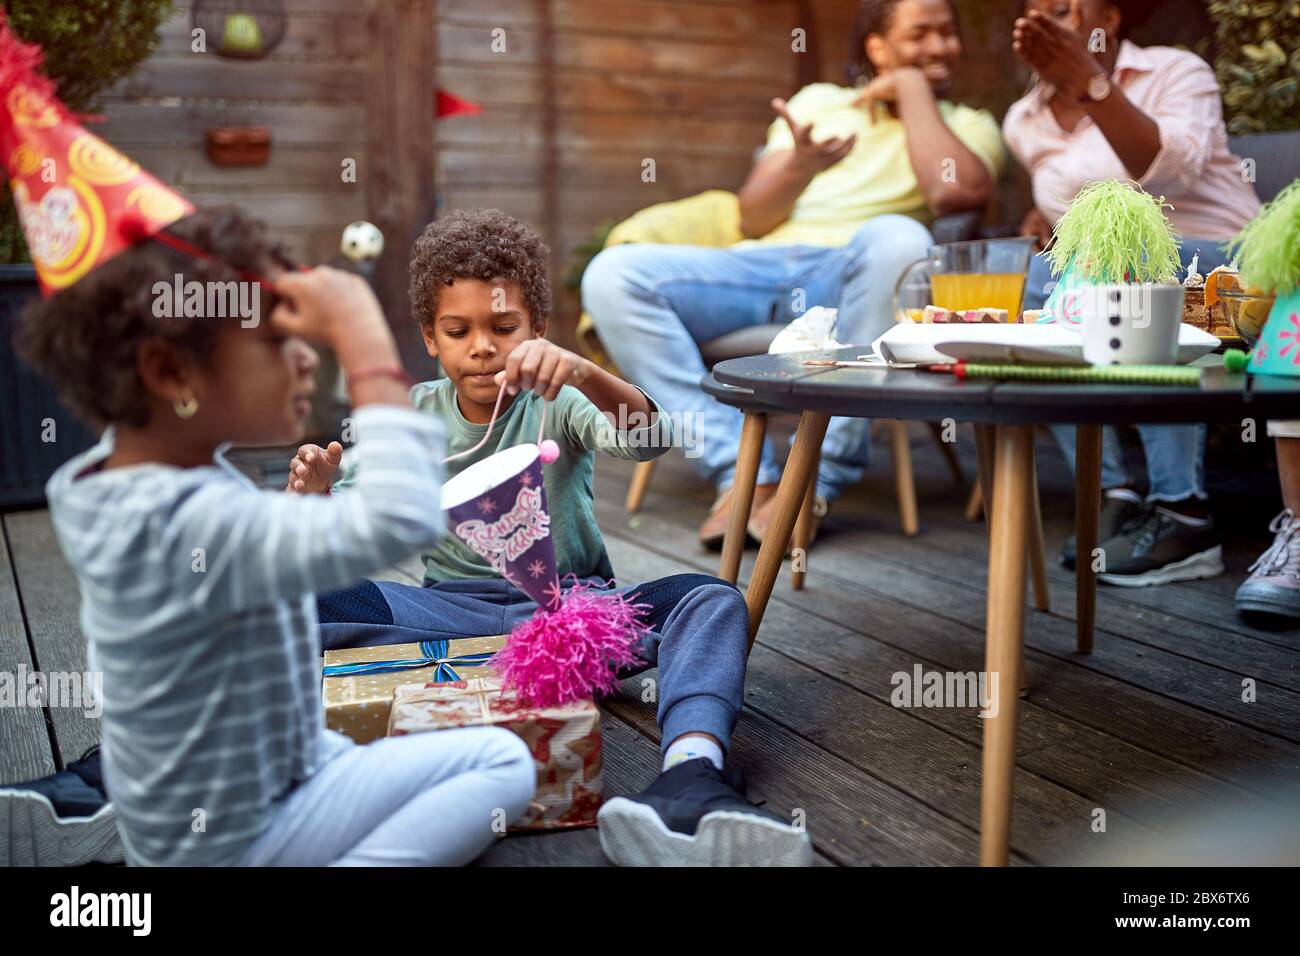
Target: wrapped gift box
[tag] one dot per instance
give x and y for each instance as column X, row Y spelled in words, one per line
column 358, row 683
column 564, row 741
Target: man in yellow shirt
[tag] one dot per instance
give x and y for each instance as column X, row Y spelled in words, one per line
column 831, row 220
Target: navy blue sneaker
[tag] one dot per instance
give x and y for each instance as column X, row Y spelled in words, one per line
column 697, row 815
column 65, row 819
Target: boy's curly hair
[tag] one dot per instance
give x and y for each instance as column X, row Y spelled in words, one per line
column 481, row 244
column 85, row 337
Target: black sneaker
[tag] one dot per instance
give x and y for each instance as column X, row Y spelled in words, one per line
column 1160, row 550
column 697, row 815
column 1119, row 508
column 62, row 820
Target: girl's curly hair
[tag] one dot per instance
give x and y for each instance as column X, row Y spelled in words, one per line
column 85, row 337
column 481, row 244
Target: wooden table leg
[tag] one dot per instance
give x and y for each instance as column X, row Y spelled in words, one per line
column 904, row 482
column 752, row 433
column 1037, row 558
column 640, row 484
column 1014, row 447
column 1087, row 511
column 799, row 470
column 803, row 530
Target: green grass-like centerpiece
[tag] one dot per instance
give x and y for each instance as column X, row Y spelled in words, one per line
column 1115, row 232
column 1268, row 247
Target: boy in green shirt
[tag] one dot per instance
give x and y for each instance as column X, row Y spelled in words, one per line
column 479, row 291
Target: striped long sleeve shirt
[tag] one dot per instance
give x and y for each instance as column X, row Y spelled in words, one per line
column 197, row 603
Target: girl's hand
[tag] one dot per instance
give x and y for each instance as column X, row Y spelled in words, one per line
column 1058, row 54
column 813, row 157
column 327, row 305
column 542, row 366
column 313, row 469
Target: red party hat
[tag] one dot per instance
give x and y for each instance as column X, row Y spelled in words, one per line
column 80, row 201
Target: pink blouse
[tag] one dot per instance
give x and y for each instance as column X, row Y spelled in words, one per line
column 1210, row 189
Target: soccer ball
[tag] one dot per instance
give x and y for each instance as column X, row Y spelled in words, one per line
column 362, row 241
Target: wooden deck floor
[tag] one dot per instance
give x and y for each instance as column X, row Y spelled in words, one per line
column 1150, row 724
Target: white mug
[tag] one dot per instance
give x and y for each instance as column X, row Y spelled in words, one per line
column 1132, row 323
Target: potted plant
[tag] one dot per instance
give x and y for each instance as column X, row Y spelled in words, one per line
column 1268, row 252
column 89, row 45
column 1113, row 233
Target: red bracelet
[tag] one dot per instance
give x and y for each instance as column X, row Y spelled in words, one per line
column 388, row 371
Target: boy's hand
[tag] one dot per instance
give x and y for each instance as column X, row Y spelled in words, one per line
column 313, row 468
column 542, row 366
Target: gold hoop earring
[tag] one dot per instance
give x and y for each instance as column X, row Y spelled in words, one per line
column 185, row 410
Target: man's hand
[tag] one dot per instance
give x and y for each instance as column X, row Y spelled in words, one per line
column 313, row 469
column 542, row 366
column 1036, row 225
column 885, row 88
column 813, row 157
column 1055, row 52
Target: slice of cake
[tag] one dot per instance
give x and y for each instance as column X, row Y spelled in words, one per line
column 1194, row 312
column 958, row 316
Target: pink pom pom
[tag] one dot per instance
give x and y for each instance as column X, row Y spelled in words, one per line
column 550, row 451
column 556, row 657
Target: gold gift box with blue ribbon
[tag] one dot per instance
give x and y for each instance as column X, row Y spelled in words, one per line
column 357, row 683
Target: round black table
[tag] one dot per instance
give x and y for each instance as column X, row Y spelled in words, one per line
column 1005, row 414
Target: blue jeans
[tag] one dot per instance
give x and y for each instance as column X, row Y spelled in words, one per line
column 699, row 634
column 654, row 304
column 1175, row 454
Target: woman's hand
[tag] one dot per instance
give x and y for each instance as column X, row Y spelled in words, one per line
column 813, row 157
column 1056, row 53
column 1036, row 225
column 542, row 366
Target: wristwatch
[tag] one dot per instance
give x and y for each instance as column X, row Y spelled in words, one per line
column 1098, row 88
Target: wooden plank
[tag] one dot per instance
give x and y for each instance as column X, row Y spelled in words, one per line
column 263, row 80
column 306, row 209
column 889, row 743
column 328, row 30
column 1179, row 630
column 607, row 91
column 769, row 23
column 24, row 740
column 1076, row 698
column 682, row 173
column 51, row 598
column 400, row 188
column 131, row 124
column 296, row 168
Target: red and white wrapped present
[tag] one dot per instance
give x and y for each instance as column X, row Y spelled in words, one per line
column 564, row 741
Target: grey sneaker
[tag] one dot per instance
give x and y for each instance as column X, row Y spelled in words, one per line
column 1119, row 508
column 1160, row 550
column 1274, row 584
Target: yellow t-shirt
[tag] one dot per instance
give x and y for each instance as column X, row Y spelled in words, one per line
column 877, row 176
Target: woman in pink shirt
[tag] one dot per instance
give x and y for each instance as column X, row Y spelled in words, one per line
column 1105, row 108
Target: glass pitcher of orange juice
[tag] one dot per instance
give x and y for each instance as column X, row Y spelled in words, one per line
column 983, row 274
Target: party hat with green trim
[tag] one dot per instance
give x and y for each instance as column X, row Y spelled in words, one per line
column 1268, row 251
column 1112, row 232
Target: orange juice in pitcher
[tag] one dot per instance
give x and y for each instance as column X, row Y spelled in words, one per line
column 960, row 291
column 984, row 274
